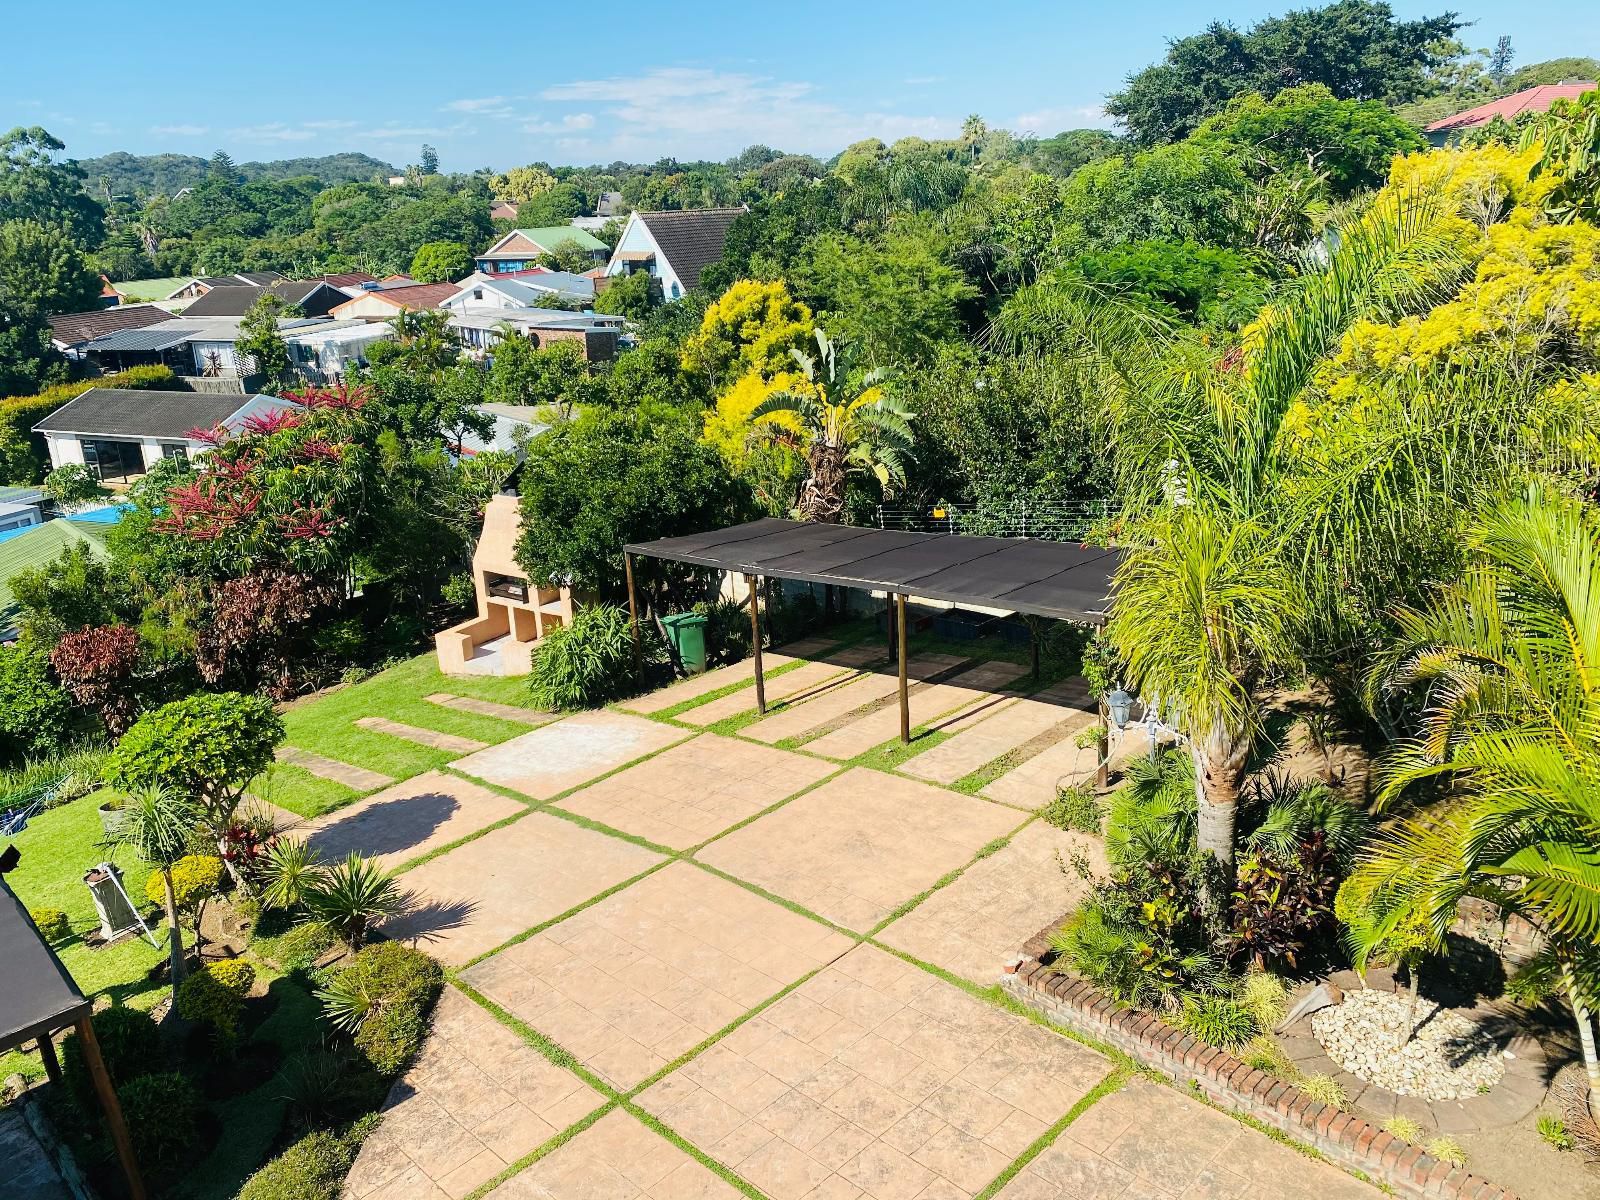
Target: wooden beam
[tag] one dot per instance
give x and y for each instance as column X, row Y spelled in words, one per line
column 905, row 696
column 755, row 645
column 112, row 1109
column 47, row 1052
column 888, row 604
column 633, row 616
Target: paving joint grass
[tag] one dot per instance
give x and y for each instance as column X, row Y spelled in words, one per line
column 542, row 1151
column 670, row 714
column 1111, row 1083
column 659, row 1127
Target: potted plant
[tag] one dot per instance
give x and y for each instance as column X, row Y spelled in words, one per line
column 113, row 814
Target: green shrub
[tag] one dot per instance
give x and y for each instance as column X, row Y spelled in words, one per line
column 34, row 710
column 1264, row 995
column 1219, row 1020
column 1074, row 808
column 383, row 999
column 297, row 948
column 312, row 1169
column 1264, row 1054
column 324, row 1087
column 214, row 995
column 52, row 924
column 727, row 631
column 195, row 879
column 130, row 1046
column 161, row 1112
column 1325, row 1089
column 585, row 664
column 1403, row 1127
column 1447, row 1149
column 24, row 457
column 1554, row 1131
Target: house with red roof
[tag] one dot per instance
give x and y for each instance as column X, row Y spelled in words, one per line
column 1508, row 108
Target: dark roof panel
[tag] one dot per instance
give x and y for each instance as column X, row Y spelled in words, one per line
column 73, row 329
column 1062, row 580
column 691, row 239
column 37, row 995
column 128, row 412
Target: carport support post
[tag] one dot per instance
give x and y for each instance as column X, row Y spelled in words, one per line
column 633, row 616
column 755, row 645
column 900, row 637
column 888, row 604
column 108, row 1103
column 47, row 1052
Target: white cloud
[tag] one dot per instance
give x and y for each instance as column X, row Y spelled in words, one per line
column 567, row 124
column 180, row 130
column 329, row 124
column 275, row 132
column 482, row 106
column 686, row 111
column 1047, row 122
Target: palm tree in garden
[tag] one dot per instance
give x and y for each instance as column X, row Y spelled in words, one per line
column 1508, row 661
column 1203, row 608
column 350, row 896
column 849, row 425
column 158, row 824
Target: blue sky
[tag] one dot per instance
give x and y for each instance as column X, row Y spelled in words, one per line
column 497, row 85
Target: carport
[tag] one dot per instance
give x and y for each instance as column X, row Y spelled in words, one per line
column 1061, row 581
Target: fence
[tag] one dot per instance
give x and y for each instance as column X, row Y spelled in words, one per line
column 1059, row 521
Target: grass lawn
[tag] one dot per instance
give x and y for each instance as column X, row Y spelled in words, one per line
column 326, row 725
column 57, row 848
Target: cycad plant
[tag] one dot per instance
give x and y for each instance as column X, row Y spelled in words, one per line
column 849, row 425
column 350, row 896
column 1508, row 663
column 158, row 823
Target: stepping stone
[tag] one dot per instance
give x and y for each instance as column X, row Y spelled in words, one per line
column 1034, row 783
column 989, row 739
column 431, row 738
column 699, row 685
column 409, row 820
column 357, row 778
column 488, row 708
column 838, row 702
column 802, row 680
column 931, row 702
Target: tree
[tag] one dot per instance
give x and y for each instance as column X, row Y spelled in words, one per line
column 557, row 375
column 205, row 749
column 33, row 710
column 34, row 186
column 753, row 326
column 97, row 665
column 42, row 270
column 592, row 484
column 1187, row 192
column 631, row 296
column 73, row 483
column 521, row 184
column 429, row 161
column 441, row 262
column 1066, row 152
column 1568, row 138
column 157, row 823
column 1504, row 659
column 260, row 340
column 1556, row 70
column 1202, row 607
column 221, row 168
column 849, row 426
column 1355, row 47
column 1500, row 61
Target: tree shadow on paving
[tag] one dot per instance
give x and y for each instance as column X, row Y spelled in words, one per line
column 422, row 920
column 387, row 827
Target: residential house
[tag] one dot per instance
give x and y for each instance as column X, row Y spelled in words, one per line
column 71, row 332
column 120, row 433
column 525, row 290
column 201, row 348
column 196, row 286
column 672, row 247
column 1506, row 108
column 609, row 205
column 325, row 352
column 20, row 508
column 39, row 546
column 480, row 328
column 521, row 248
column 386, row 303
column 144, row 291
column 308, row 297
column 503, row 210
column 351, row 283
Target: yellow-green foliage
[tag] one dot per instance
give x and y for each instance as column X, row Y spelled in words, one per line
column 1486, row 178
column 1264, row 995
column 214, row 995
column 727, row 424
column 1447, row 1149
column 752, row 327
column 195, row 879
column 52, row 924
column 1264, row 1054
column 1404, row 1128
column 1324, row 1089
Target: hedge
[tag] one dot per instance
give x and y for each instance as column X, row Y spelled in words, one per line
column 312, row 1169
column 24, row 458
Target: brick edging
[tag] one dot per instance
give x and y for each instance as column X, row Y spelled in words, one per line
column 1343, row 1137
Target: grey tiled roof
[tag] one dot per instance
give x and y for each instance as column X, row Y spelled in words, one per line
column 126, row 412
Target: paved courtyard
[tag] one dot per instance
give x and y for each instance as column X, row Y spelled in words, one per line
column 688, row 995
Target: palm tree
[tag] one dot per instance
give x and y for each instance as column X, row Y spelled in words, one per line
column 1203, row 607
column 850, row 426
column 1508, row 660
column 349, row 896
column 158, row 824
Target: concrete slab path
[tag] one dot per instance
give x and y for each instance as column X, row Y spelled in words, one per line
column 431, row 738
column 488, row 708
column 743, row 671
column 356, row 778
column 410, row 819
column 570, row 752
column 809, row 714
column 971, row 686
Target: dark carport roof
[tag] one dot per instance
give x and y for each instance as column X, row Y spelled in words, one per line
column 1063, row 580
column 37, row 996
column 133, row 412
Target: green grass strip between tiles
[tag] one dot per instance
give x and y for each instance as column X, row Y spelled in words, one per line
column 1111, row 1083
column 542, row 1151
column 656, row 1125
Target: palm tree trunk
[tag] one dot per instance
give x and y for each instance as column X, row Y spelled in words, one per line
column 175, row 938
column 823, row 497
column 1216, row 787
column 1591, row 1062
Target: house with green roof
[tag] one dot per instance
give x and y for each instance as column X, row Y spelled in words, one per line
column 38, row 547
column 520, row 249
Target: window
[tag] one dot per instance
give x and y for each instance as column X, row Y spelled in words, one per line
column 175, row 450
column 477, row 293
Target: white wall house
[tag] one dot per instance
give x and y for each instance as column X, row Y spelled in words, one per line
column 672, row 247
column 121, row 433
column 20, row 508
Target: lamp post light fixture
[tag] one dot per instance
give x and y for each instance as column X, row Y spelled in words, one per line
column 1120, row 705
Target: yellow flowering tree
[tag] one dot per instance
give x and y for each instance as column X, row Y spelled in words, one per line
column 752, row 327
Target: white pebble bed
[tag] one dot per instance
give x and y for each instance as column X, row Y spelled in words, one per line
column 1446, row 1060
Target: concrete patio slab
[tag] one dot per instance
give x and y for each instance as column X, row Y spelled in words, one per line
column 833, row 669
column 1150, row 1141
column 617, row 1158
column 409, row 819
column 431, row 738
column 971, row 926
column 480, row 895
column 570, row 752
column 742, row 671
column 875, row 1079
column 356, row 778
column 476, row 1099
column 994, row 737
column 488, row 708
column 634, row 981
column 697, row 789
column 813, row 712
column 861, row 844
column 927, row 704
column 1033, row 783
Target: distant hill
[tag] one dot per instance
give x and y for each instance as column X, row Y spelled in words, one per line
column 166, row 173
